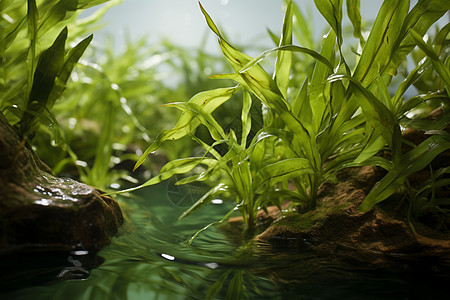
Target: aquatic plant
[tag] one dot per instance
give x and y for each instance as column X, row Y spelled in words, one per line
column 84, row 132
column 102, row 138
column 35, row 62
column 339, row 118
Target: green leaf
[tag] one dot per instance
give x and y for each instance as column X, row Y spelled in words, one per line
column 424, row 14
column 71, row 60
column 32, row 17
column 372, row 107
column 400, row 107
column 200, row 117
column 331, row 10
column 293, row 48
column 49, row 65
column 411, row 162
column 317, row 85
column 177, row 166
column 379, row 46
column 353, row 11
column 301, row 107
column 56, row 14
column 282, row 170
column 208, row 101
column 284, row 58
column 268, row 197
column 246, row 121
column 374, row 144
column 439, row 66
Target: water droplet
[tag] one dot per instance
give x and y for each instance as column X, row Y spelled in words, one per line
column 44, row 202
column 167, row 256
column 212, row 265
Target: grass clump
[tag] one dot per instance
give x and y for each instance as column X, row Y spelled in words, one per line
column 341, row 116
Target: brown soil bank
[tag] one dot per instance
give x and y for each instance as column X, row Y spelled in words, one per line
column 339, row 229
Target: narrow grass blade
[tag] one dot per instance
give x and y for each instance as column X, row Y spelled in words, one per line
column 269, row 197
column 191, row 240
column 177, row 166
column 200, row 117
column 56, row 14
column 293, row 48
column 49, row 65
column 371, row 106
column 400, row 106
column 301, row 107
column 374, row 144
column 317, row 85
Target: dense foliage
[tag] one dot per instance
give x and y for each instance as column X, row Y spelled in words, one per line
column 341, row 116
column 267, row 138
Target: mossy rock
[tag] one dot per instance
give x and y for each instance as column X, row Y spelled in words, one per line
column 339, row 229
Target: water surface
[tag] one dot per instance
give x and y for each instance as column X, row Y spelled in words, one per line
column 150, row 259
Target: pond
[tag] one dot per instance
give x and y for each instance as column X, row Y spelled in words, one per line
column 150, row 259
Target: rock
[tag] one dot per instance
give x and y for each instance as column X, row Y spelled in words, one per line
column 338, row 229
column 41, row 212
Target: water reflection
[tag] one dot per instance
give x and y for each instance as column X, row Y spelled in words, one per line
column 150, row 259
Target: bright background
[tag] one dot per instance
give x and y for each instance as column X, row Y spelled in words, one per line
column 181, row 21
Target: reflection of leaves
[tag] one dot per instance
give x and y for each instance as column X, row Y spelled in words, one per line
column 186, row 195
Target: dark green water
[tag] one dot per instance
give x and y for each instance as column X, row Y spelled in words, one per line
column 149, row 259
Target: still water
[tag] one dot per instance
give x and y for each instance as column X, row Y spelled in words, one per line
column 150, row 259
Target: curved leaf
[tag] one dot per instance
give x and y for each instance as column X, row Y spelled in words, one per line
column 208, row 101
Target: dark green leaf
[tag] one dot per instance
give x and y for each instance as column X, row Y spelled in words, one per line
column 71, row 60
